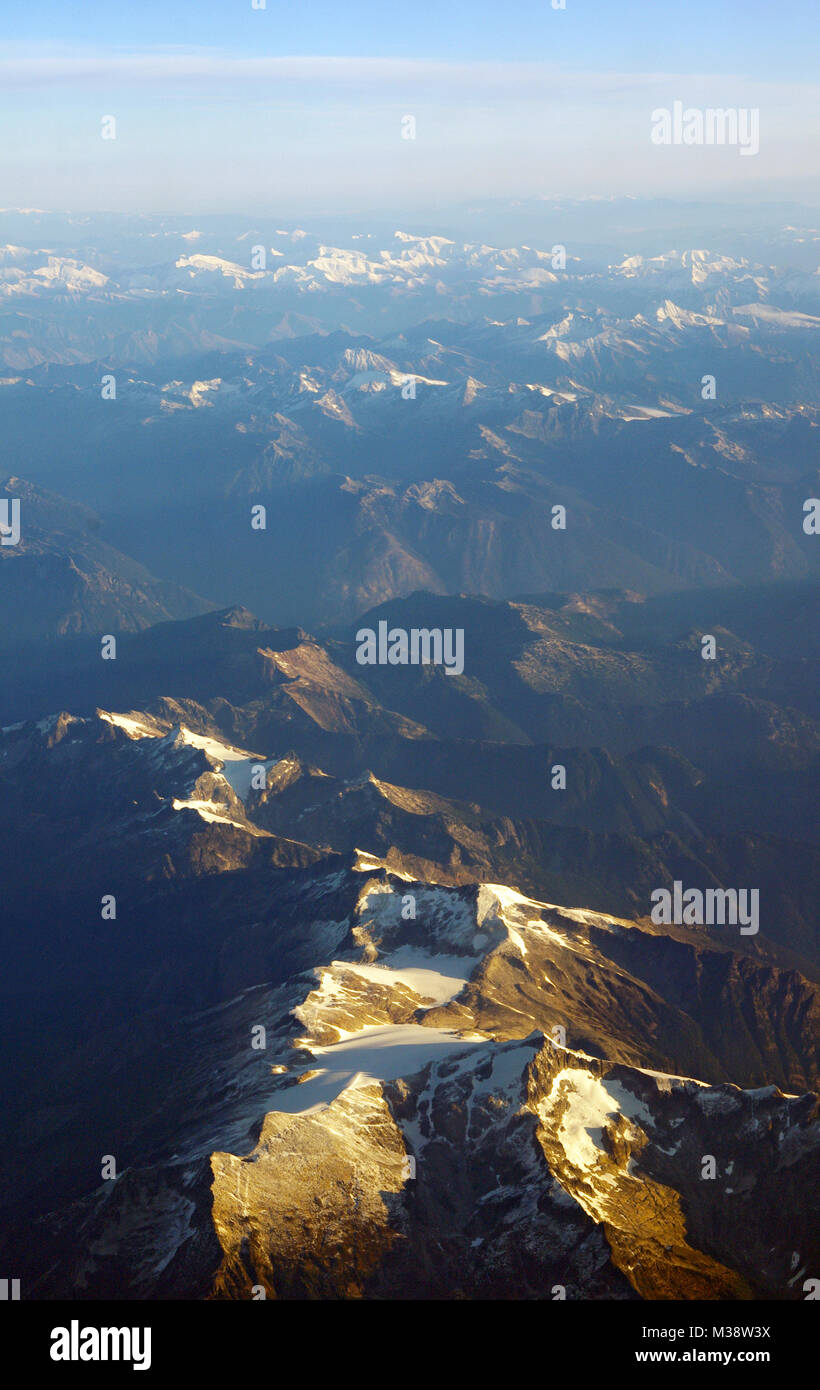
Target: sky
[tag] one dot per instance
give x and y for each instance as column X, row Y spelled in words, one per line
column 297, row 107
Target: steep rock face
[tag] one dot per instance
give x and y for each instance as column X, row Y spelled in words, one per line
column 309, row 1212
column 686, row 1179
column 485, row 1216
column 422, row 1118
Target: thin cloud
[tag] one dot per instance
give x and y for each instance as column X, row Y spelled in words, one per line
column 514, row 78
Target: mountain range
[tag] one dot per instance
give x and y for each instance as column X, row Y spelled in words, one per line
column 331, row 979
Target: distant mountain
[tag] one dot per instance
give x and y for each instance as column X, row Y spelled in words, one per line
column 371, row 492
column 204, row 288
column 61, row 579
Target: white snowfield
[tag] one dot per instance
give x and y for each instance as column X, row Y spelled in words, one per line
column 237, row 766
column 366, row 862
column 777, row 318
column 591, row 1104
column 236, row 763
column 134, row 728
column 520, row 915
column 381, row 1053
column 439, row 978
column 208, row 810
column 198, row 265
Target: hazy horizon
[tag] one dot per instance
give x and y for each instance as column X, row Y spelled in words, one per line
column 236, row 108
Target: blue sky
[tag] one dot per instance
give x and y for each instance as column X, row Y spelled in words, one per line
column 220, row 106
column 779, row 41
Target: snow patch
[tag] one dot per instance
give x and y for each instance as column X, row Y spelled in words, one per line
column 373, row 1054
column 207, row 810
